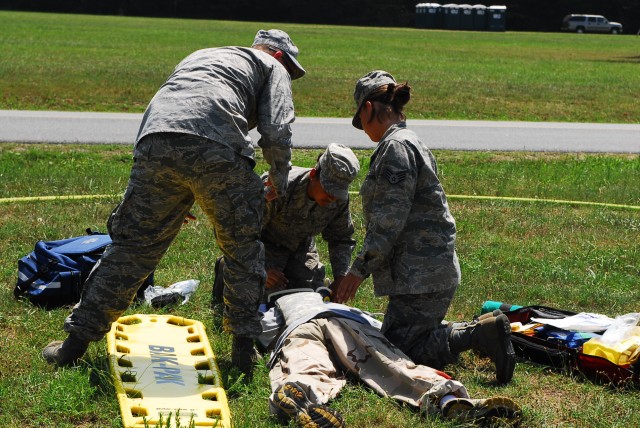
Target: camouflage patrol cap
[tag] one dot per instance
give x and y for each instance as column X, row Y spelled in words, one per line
column 366, row 86
column 281, row 40
column 338, row 168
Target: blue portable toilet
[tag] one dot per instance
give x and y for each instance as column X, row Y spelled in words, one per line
column 479, row 17
column 496, row 18
column 428, row 15
column 434, row 15
column 421, row 15
column 451, row 16
column 466, row 17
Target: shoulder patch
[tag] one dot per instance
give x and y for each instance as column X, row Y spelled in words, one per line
column 394, row 177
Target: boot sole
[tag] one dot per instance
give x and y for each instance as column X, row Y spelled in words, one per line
column 286, row 405
column 491, row 411
column 324, row 416
column 506, row 359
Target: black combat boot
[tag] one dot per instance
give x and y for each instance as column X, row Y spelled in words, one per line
column 490, row 336
column 67, row 353
column 244, row 355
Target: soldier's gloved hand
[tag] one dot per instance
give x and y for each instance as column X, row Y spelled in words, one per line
column 276, row 280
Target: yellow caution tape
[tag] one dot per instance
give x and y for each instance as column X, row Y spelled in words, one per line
column 552, row 201
column 53, row 198
column 494, row 198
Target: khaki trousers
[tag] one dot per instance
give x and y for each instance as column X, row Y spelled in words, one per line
column 319, row 353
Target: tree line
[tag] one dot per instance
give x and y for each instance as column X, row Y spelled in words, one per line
column 522, row 15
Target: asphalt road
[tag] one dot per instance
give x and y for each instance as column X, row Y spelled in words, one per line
column 121, row 128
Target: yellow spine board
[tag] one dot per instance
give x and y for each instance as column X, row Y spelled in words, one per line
column 163, row 367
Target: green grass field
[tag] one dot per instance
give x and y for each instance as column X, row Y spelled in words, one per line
column 571, row 256
column 582, row 258
column 99, row 63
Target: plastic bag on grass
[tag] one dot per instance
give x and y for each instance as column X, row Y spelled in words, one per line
column 179, row 292
column 621, row 329
column 620, row 344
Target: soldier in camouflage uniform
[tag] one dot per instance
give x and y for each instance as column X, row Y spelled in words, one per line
column 194, row 146
column 316, row 202
column 322, row 342
column 409, row 246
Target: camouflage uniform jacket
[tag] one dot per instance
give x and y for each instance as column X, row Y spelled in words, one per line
column 291, row 223
column 222, row 93
column 409, row 246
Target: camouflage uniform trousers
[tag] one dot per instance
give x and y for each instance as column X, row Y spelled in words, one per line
column 302, row 267
column 320, row 352
column 415, row 324
column 170, row 173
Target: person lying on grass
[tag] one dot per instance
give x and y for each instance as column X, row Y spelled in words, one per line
column 316, row 344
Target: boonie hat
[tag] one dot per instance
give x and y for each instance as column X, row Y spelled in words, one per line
column 366, row 86
column 338, row 168
column 281, row 40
